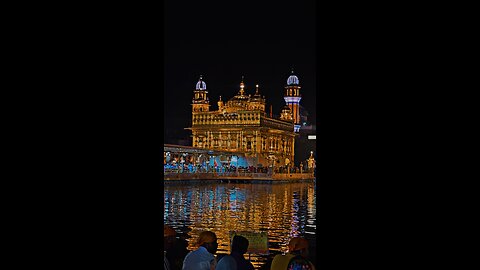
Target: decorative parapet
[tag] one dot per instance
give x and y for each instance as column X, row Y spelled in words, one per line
column 278, row 124
column 229, row 119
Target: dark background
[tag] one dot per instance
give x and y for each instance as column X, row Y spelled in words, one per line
column 225, row 41
column 89, row 97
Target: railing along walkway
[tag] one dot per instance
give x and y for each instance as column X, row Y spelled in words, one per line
column 237, row 176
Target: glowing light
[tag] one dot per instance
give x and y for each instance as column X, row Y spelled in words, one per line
column 292, row 99
column 312, row 137
column 201, row 85
column 293, row 80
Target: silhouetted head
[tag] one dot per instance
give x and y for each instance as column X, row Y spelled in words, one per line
column 239, row 244
column 208, row 240
column 298, row 245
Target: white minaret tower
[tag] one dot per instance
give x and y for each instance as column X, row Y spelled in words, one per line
column 292, row 99
column 200, row 101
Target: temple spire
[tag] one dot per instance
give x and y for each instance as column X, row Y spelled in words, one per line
column 242, row 85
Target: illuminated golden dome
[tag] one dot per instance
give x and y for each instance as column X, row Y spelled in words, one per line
column 257, row 97
column 286, row 113
column 240, row 100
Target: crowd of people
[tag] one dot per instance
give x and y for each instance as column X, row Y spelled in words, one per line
column 190, row 168
column 177, row 257
column 179, row 168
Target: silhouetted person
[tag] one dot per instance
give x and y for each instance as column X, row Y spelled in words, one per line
column 240, row 247
column 202, row 258
column 175, row 249
column 296, row 258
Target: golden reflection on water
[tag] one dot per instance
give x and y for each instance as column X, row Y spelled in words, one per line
column 282, row 210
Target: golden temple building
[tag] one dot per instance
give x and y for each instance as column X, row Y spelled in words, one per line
column 241, row 125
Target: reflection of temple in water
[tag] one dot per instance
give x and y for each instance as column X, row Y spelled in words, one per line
column 282, row 210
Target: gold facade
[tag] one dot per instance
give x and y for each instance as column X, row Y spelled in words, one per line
column 242, row 125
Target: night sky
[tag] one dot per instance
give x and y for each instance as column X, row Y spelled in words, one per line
column 225, row 41
column 86, row 109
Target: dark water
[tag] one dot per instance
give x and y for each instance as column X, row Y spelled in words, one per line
column 282, row 210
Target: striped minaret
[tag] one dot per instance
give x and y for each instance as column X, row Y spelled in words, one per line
column 292, row 99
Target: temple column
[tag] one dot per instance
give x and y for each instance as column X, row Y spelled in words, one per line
column 293, row 150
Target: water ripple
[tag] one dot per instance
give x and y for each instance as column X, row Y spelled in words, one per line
column 282, row 210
